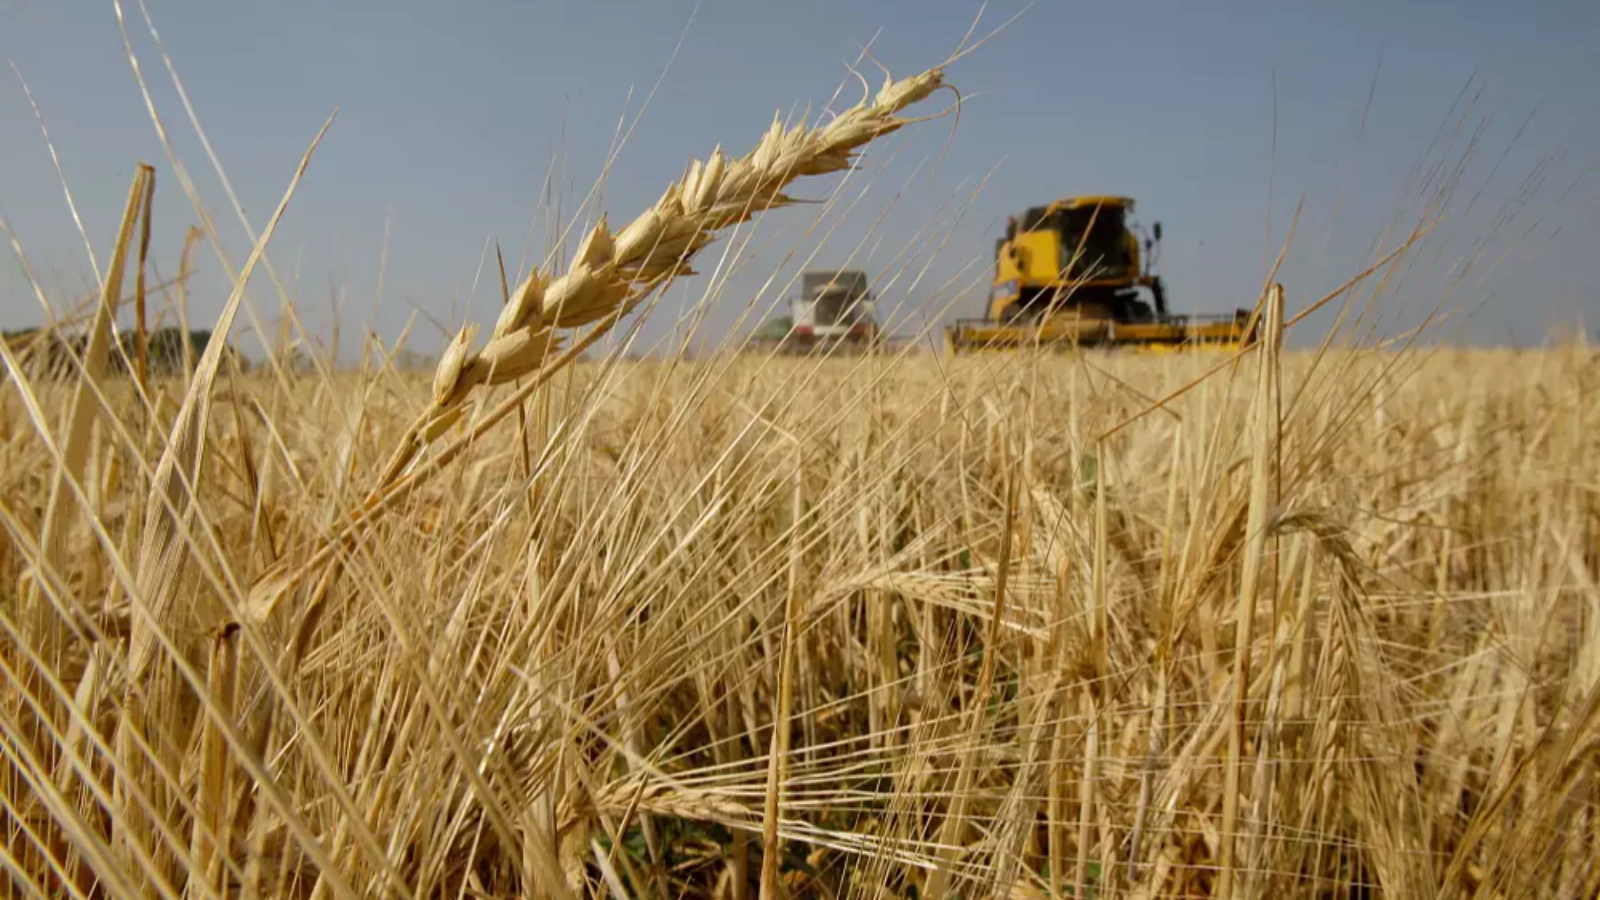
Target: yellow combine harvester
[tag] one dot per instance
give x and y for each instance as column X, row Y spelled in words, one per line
column 1071, row 274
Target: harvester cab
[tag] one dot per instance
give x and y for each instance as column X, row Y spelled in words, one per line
column 834, row 311
column 1080, row 272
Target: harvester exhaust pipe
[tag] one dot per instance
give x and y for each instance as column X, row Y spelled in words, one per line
column 1158, row 291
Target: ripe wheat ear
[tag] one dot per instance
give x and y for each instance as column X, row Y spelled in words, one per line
column 611, row 274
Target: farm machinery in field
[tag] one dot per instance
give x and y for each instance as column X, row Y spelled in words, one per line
column 834, row 313
column 1071, row 274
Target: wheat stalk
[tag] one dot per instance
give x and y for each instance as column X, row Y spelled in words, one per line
column 612, row 273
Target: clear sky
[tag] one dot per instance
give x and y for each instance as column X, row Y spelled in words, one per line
column 451, row 116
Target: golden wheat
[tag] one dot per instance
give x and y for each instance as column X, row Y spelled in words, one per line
column 611, row 274
column 1419, row 716
column 1309, row 625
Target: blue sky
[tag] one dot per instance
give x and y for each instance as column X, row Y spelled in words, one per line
column 450, row 118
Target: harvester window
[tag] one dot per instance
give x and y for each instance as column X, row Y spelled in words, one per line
column 1101, row 249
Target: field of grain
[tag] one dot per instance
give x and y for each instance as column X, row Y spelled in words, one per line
column 1004, row 637
column 550, row 623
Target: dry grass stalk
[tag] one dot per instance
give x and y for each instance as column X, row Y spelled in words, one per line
column 78, row 426
column 783, row 711
column 141, row 328
column 191, row 237
column 1263, row 464
column 209, row 845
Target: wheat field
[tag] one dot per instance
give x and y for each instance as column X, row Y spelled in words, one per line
column 550, row 622
column 1006, row 643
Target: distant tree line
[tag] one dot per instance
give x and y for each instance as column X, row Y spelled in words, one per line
column 49, row 353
